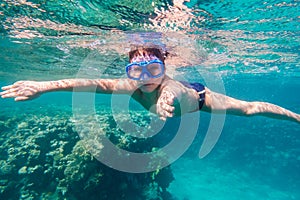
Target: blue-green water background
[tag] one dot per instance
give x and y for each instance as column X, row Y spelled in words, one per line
column 255, row 42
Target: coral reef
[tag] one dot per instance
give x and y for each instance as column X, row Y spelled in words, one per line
column 43, row 157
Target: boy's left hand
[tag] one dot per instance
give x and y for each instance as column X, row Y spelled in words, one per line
column 165, row 105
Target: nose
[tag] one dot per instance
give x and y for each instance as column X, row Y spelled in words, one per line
column 145, row 77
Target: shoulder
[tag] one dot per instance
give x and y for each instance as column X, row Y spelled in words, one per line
column 175, row 87
column 169, row 82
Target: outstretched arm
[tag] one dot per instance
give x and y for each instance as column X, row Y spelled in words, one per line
column 25, row 90
column 219, row 103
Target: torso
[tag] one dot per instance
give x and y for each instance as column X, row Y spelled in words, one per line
column 146, row 102
column 188, row 97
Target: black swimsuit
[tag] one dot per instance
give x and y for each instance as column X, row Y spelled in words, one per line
column 200, row 90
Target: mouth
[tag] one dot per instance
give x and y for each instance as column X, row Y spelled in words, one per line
column 148, row 84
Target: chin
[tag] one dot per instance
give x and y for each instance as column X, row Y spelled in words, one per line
column 148, row 87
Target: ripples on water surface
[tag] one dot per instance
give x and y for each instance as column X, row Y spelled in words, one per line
column 229, row 36
column 252, row 45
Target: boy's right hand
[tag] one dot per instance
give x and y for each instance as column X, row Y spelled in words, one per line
column 22, row 90
column 165, row 105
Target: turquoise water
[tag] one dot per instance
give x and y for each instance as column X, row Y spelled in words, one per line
column 249, row 48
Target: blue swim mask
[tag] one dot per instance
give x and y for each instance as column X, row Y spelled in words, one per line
column 145, row 70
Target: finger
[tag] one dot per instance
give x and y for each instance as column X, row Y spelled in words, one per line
column 9, row 91
column 19, row 82
column 171, row 100
column 22, row 98
column 16, row 84
column 164, row 113
column 7, row 87
column 168, row 114
column 168, row 108
column 2, row 93
column 9, row 95
column 163, row 118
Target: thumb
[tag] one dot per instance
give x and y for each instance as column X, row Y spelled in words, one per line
column 163, row 118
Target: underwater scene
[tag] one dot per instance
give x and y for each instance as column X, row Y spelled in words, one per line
column 76, row 145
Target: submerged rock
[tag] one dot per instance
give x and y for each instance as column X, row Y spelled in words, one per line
column 23, row 170
column 45, row 159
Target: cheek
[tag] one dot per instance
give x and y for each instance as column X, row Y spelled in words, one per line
column 155, row 81
column 159, row 80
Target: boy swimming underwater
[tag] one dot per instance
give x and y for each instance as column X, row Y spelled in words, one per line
column 149, row 85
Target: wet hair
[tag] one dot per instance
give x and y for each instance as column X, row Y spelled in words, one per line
column 147, row 51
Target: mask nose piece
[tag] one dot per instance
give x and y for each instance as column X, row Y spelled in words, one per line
column 145, row 77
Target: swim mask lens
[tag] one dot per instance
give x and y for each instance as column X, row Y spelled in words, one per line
column 140, row 70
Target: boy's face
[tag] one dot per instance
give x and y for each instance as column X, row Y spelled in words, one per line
column 147, row 70
column 150, row 84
